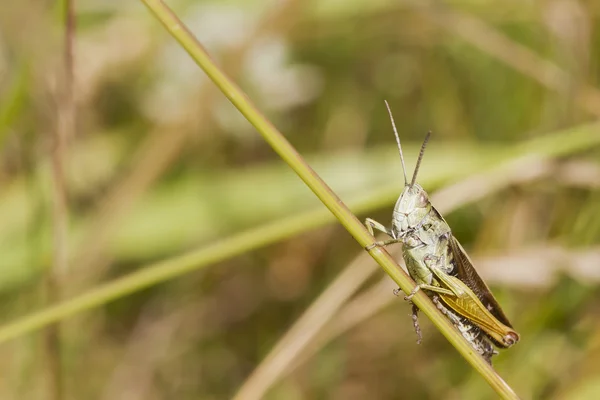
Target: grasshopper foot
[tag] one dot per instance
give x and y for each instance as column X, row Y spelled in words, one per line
column 411, row 294
column 375, row 244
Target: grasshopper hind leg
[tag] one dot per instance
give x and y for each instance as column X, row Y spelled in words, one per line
column 473, row 334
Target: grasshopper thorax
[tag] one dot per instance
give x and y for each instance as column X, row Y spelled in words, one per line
column 411, row 208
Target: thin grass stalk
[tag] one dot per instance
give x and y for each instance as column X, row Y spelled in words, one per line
column 285, row 150
column 65, row 118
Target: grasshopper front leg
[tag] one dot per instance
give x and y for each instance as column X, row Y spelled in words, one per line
column 371, row 224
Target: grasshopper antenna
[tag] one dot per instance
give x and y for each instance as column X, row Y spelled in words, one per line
column 414, row 178
column 397, row 141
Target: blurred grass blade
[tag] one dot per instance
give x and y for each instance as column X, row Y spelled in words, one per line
column 548, row 147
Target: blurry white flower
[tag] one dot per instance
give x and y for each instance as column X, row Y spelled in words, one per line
column 279, row 84
column 218, row 27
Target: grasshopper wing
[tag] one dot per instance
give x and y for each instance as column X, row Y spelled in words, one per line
column 467, row 273
column 469, row 306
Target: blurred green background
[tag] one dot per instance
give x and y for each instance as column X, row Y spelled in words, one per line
column 154, row 163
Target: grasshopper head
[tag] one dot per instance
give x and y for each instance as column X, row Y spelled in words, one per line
column 412, row 206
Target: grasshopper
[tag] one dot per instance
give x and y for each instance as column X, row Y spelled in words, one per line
column 438, row 264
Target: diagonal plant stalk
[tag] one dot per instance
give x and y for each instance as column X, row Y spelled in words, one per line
column 155, row 155
column 284, row 149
